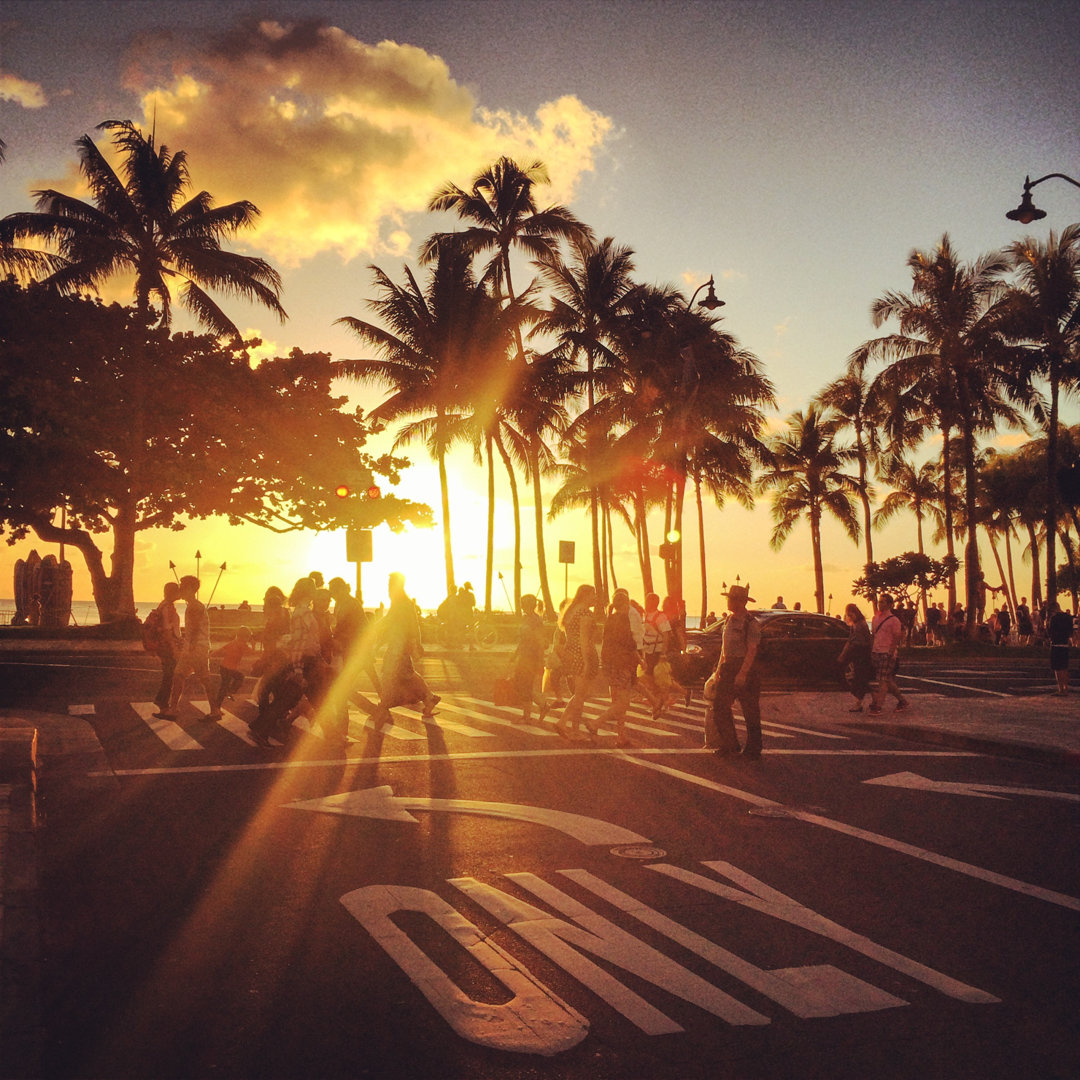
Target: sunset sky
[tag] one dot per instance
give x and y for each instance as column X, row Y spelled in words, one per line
column 796, row 150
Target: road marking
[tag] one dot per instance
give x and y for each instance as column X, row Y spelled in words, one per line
column 954, row 686
column 807, row 992
column 498, row 719
column 560, row 941
column 235, row 726
column 1039, row 893
column 382, row 803
column 450, row 725
column 485, row 755
column 699, row 715
column 534, row 1021
column 981, row 791
column 758, row 896
column 168, row 731
column 394, row 731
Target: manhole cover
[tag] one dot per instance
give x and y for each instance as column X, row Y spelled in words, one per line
column 638, row 851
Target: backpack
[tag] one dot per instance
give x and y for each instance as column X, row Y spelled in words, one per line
column 153, row 633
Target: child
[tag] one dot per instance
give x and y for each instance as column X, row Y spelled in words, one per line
column 232, row 678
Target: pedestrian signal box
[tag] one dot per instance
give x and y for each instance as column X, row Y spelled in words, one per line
column 358, row 545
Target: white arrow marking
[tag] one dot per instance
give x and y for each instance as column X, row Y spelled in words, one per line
column 979, row 791
column 381, row 802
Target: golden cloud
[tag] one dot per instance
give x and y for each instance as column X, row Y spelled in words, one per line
column 21, row 91
column 339, row 142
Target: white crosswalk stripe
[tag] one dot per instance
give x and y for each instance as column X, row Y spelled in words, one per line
column 389, row 728
column 168, row 731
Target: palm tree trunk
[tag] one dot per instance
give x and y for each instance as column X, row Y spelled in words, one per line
column 646, row 555
column 971, row 547
column 922, row 591
column 538, row 513
column 509, row 466
column 608, row 525
column 819, row 569
column 950, row 543
column 1011, row 595
column 1052, row 487
column 1036, row 575
column 448, row 550
column 490, row 524
column 701, row 551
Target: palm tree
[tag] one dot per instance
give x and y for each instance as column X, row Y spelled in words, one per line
column 1044, row 309
column 144, row 225
column 914, row 489
column 808, row 478
column 439, row 344
column 849, row 395
column 948, row 354
column 589, row 293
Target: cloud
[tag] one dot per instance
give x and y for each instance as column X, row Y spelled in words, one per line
column 781, row 328
column 21, row 91
column 339, row 142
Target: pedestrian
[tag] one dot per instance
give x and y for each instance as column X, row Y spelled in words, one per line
column 167, row 643
column 275, row 628
column 779, row 605
column 656, row 631
column 666, row 673
column 231, row 676
column 736, row 678
column 302, row 672
column 399, row 632
column 933, row 625
column 194, row 655
column 855, row 661
column 619, row 656
column 1025, row 628
column 528, row 660
column 582, row 663
column 35, row 610
column 555, row 662
column 888, row 632
column 1004, row 626
column 1060, row 631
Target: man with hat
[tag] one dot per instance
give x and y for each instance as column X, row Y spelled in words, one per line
column 736, row 678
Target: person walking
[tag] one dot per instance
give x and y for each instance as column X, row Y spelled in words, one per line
column 346, row 660
column 581, row 663
column 1059, row 629
column 1025, row 628
column 619, row 657
column 231, row 676
column 399, row 631
column 527, row 668
column 887, row 635
column 194, row 656
column 168, row 642
column 856, row 656
column 736, row 678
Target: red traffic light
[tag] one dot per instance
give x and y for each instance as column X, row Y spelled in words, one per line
column 373, row 492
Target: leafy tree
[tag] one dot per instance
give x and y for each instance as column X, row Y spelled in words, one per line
column 902, row 573
column 807, row 475
column 267, row 445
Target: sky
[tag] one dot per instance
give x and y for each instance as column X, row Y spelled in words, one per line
column 797, row 151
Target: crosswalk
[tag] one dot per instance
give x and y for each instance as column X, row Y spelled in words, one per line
column 459, row 715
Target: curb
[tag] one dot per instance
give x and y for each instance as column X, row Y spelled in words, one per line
column 20, row 929
column 956, row 740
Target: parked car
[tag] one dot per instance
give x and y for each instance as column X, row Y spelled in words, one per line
column 796, row 646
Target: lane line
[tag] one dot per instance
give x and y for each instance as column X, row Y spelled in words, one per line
column 954, row 686
column 946, row 861
column 483, row 755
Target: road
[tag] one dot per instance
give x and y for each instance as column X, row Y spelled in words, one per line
column 476, row 898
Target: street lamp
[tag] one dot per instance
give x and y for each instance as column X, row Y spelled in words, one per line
column 711, row 301
column 1027, row 211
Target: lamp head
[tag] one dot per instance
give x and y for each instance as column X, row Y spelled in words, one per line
column 711, row 301
column 1027, row 211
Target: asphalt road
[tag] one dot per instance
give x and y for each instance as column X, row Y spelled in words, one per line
column 472, row 898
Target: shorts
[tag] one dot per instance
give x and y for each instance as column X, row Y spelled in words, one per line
column 884, row 665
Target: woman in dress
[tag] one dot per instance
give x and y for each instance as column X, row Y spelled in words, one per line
column 619, row 660
column 856, row 653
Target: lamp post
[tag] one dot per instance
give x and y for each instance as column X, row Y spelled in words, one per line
column 1027, row 211
column 711, row 301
